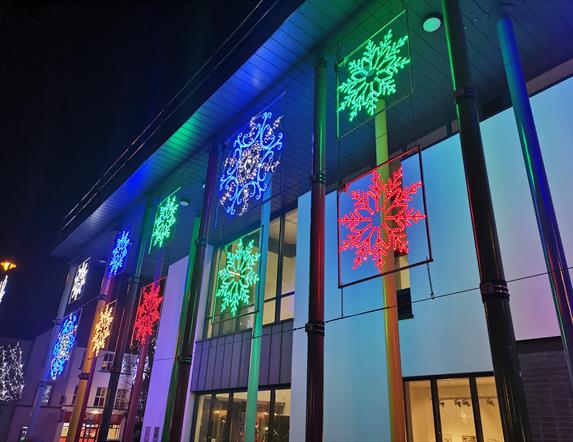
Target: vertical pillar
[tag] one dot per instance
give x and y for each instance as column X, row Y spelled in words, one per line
column 551, row 243
column 135, row 392
column 182, row 366
column 493, row 285
column 32, row 430
column 126, row 324
column 257, row 339
column 315, row 326
column 392, row 335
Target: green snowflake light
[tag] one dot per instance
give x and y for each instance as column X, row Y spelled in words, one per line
column 165, row 219
column 371, row 76
column 237, row 277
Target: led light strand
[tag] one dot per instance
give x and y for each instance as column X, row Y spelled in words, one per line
column 148, row 312
column 248, row 169
column 3, row 286
column 79, row 281
column 11, row 373
column 102, row 329
column 377, row 224
column 165, row 219
column 371, row 76
column 64, row 345
column 237, row 277
column 119, row 252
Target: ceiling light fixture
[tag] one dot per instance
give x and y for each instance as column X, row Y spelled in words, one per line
column 184, row 202
column 432, row 23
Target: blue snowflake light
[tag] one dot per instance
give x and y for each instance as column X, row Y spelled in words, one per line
column 119, row 252
column 64, row 345
column 248, row 169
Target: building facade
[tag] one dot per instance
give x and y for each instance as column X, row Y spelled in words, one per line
column 235, row 280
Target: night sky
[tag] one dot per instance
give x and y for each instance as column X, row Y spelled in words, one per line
column 78, row 82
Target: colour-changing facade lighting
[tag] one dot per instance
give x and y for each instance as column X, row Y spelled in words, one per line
column 79, row 281
column 102, row 329
column 248, row 169
column 370, row 76
column 148, row 312
column 64, row 345
column 119, row 253
column 376, row 227
column 165, row 219
column 237, row 277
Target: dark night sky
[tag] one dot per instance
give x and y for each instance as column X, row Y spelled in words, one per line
column 79, row 81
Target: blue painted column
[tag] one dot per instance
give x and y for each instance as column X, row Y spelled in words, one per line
column 551, row 243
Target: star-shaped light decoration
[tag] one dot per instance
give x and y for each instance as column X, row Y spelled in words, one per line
column 370, row 77
column 119, row 252
column 248, row 169
column 238, row 277
column 165, row 219
column 102, row 329
column 64, row 345
column 79, row 281
column 148, row 312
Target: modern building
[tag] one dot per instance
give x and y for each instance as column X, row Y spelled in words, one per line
column 239, row 140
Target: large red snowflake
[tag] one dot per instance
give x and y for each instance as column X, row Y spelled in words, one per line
column 148, row 312
column 377, row 224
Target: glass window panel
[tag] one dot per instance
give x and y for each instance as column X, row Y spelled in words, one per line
column 420, row 412
column 238, row 414
column 272, row 260
column 281, row 419
column 287, row 307
column 202, row 421
column 269, row 312
column 289, row 252
column 263, row 407
column 218, row 419
column 489, row 409
column 456, row 411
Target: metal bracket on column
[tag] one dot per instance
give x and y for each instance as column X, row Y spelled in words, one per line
column 314, row 328
column 84, row 376
column 464, row 93
column 319, row 178
column 184, row 359
column 496, row 289
column 201, row 242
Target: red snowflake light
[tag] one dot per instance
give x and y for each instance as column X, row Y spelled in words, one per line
column 148, row 312
column 377, row 224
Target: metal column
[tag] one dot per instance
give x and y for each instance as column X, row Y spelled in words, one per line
column 493, row 285
column 315, row 326
column 551, row 243
column 182, row 366
column 126, row 324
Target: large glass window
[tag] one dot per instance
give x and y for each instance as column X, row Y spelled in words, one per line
column 279, row 281
column 221, row 417
column 460, row 409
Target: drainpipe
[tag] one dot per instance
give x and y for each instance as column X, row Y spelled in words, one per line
column 315, row 326
column 551, row 243
column 493, row 286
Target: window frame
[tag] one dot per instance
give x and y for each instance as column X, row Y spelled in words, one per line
column 98, row 397
column 433, row 379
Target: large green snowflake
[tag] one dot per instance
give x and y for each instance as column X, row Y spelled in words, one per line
column 237, row 277
column 165, row 219
column 371, row 76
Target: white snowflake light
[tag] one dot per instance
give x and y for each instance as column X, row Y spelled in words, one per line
column 11, row 373
column 3, row 285
column 237, row 277
column 79, row 281
column 249, row 167
column 371, row 76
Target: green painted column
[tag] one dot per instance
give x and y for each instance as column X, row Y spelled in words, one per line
column 256, row 341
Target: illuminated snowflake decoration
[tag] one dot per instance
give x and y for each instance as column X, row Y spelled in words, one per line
column 371, row 76
column 11, row 373
column 148, row 312
column 3, row 285
column 377, row 224
column 102, row 329
column 165, row 219
column 119, row 252
column 79, row 281
column 249, row 167
column 64, row 345
column 237, row 277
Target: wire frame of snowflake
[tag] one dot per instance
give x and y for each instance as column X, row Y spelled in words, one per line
column 237, row 277
column 64, row 344
column 248, row 169
column 80, row 279
column 371, row 77
column 119, row 252
column 374, row 212
column 164, row 223
column 148, row 312
column 102, row 329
